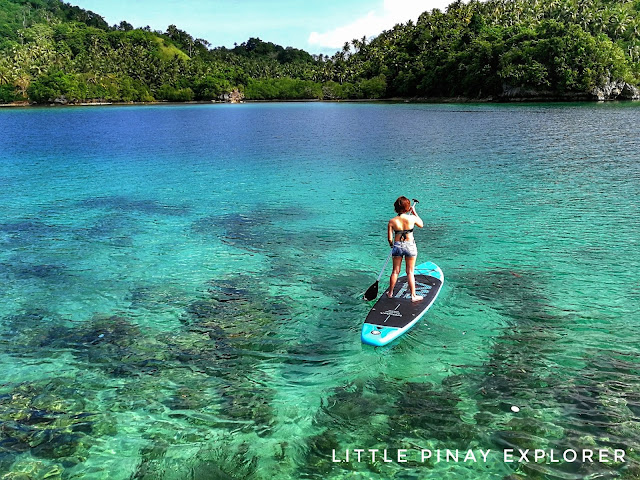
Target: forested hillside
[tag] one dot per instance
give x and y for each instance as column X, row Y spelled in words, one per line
column 54, row 52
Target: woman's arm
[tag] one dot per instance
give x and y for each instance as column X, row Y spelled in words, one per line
column 390, row 235
column 418, row 220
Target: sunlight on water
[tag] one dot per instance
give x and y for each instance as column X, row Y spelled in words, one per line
column 181, row 291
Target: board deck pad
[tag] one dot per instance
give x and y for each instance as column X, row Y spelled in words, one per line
column 399, row 310
column 390, row 318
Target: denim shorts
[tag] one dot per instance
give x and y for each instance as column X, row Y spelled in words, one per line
column 404, row 249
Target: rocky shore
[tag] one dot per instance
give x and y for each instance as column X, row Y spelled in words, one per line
column 611, row 91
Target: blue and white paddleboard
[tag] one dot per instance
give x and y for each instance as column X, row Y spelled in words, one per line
column 392, row 317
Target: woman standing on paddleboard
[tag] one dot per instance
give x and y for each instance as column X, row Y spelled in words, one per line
column 400, row 236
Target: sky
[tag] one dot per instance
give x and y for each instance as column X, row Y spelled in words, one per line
column 317, row 26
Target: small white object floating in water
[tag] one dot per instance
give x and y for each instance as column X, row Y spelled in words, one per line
column 515, row 409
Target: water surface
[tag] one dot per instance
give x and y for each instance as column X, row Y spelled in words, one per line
column 181, row 289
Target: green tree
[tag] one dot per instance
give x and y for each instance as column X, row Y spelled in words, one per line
column 56, row 85
column 8, row 94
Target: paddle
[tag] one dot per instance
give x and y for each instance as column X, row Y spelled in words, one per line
column 372, row 291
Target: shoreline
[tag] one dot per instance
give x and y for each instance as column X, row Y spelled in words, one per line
column 423, row 100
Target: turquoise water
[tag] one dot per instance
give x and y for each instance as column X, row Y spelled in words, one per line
column 181, row 290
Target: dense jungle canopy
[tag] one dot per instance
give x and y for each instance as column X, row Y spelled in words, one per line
column 52, row 51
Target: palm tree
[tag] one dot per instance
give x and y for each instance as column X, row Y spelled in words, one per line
column 346, row 48
column 22, row 83
column 4, row 76
column 620, row 21
column 634, row 30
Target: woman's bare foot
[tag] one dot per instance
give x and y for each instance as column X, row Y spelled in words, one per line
column 389, row 294
column 416, row 298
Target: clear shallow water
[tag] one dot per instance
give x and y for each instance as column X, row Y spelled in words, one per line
column 181, row 289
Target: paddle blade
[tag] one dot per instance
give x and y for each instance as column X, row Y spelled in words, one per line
column 372, row 292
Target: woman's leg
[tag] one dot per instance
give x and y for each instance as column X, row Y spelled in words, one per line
column 397, row 265
column 410, row 263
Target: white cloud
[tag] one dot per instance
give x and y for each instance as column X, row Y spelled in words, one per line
column 390, row 13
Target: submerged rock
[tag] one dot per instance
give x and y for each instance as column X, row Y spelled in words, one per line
column 50, row 420
column 432, row 413
column 20, row 269
column 28, row 233
column 225, row 461
column 223, row 329
column 260, row 230
column 135, row 205
column 110, row 343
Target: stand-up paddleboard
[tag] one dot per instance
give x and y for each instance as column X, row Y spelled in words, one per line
column 391, row 317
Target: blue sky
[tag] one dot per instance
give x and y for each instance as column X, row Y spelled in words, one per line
column 318, row 26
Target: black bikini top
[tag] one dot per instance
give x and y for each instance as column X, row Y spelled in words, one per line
column 403, row 237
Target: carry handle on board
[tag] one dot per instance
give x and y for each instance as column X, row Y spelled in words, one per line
column 372, row 291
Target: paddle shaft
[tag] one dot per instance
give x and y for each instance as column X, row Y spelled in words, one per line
column 385, row 265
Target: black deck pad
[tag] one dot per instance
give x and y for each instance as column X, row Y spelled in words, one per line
column 399, row 311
